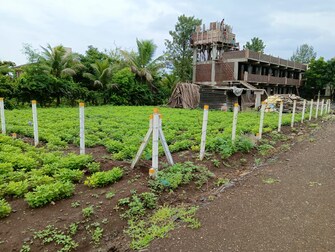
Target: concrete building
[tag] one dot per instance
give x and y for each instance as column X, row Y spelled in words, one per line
column 227, row 74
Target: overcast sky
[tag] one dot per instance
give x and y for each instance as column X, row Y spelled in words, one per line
column 282, row 25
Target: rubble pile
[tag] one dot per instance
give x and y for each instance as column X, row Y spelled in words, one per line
column 273, row 103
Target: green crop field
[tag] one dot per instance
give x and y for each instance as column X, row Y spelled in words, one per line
column 121, row 129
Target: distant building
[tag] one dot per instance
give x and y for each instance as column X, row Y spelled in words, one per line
column 221, row 68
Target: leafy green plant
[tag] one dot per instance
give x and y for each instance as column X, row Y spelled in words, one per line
column 75, row 204
column 5, row 208
column 53, row 234
column 44, row 194
column 222, row 181
column 18, row 188
column 97, row 235
column 172, row 177
column 93, row 167
column 264, row 149
column 88, row 211
column 216, row 163
column 100, row 179
column 69, row 175
column 110, row 194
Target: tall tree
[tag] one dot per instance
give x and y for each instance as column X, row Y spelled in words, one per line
column 304, row 54
column 101, row 77
column 142, row 62
column 330, row 76
column 179, row 50
column 62, row 64
column 256, row 45
column 315, row 77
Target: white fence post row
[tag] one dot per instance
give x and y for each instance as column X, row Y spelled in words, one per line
column 293, row 113
column 35, row 123
column 143, row 144
column 310, row 110
column 322, row 107
column 280, row 116
column 233, row 133
column 303, row 111
column 155, row 136
column 2, row 114
column 261, row 121
column 82, row 128
column 317, row 108
column 203, row 132
column 329, row 104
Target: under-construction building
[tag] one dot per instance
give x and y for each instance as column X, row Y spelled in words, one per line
column 227, row 74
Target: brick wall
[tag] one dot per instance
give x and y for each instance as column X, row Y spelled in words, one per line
column 203, row 72
column 224, row 71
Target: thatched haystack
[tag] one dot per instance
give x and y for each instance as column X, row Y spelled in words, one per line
column 185, row 95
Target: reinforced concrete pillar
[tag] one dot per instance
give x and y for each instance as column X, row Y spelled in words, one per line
column 194, row 64
column 214, row 51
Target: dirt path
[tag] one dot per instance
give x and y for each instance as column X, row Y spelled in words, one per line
column 297, row 213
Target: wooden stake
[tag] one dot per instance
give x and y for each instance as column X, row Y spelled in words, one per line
column 82, row 128
column 233, row 133
column 311, row 110
column 293, row 113
column 322, row 107
column 203, row 132
column 2, row 115
column 303, row 111
column 35, row 123
column 260, row 131
column 280, row 116
column 317, row 108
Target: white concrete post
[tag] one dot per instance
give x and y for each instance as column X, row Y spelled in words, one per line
column 260, row 131
column 35, row 123
column 280, row 115
column 155, row 136
column 329, row 104
column 310, row 110
column 203, row 132
column 317, row 108
column 303, row 111
column 82, row 128
column 2, row 115
column 233, row 133
column 293, row 113
column 322, row 107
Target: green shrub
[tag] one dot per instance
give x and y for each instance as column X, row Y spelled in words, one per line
column 87, row 211
column 17, row 189
column 6, row 168
column 244, row 144
column 93, row 167
column 100, row 179
column 73, row 161
column 44, row 194
column 69, row 175
column 37, row 180
column 5, row 208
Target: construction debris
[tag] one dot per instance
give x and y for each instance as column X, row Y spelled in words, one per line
column 273, row 103
column 185, row 95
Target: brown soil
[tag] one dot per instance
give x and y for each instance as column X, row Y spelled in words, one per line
column 239, row 210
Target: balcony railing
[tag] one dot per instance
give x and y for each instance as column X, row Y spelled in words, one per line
column 268, row 79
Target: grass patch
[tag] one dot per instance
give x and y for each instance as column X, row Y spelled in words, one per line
column 142, row 232
column 270, row 181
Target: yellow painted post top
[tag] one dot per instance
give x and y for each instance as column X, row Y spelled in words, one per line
column 1, row 99
column 263, row 102
column 156, row 110
column 235, row 104
column 151, row 116
column 160, row 116
column 81, row 104
column 151, row 171
column 206, row 107
column 33, row 102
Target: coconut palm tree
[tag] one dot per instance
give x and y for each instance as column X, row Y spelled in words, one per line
column 101, row 77
column 61, row 63
column 142, row 63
